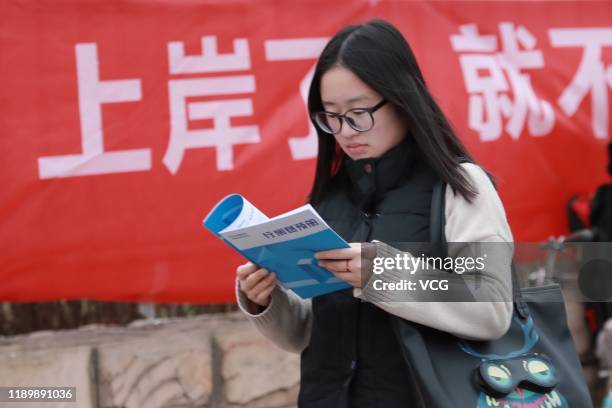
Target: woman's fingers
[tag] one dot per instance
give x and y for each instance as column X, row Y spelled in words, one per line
column 268, row 280
column 257, row 284
column 342, row 253
column 342, row 265
column 249, row 274
column 339, row 269
column 335, row 254
column 254, row 278
column 261, row 294
column 245, row 270
column 335, row 266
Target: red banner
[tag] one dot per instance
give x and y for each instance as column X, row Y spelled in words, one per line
column 123, row 123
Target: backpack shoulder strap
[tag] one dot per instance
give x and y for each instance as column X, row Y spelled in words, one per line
column 437, row 222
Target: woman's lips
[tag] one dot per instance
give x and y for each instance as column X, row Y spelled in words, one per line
column 357, row 148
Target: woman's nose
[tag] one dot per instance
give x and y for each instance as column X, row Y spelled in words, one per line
column 347, row 131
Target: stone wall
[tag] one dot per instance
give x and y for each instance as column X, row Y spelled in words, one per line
column 207, row 361
column 216, row 361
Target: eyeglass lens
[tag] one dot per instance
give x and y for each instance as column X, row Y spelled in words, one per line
column 358, row 119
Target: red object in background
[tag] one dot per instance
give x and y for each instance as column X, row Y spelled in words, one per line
column 124, row 123
column 580, row 205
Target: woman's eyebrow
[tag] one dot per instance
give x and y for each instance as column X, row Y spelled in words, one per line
column 348, row 101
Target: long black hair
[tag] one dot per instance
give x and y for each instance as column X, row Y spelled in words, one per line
column 379, row 55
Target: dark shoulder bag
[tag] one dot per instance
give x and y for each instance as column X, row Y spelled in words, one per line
column 534, row 364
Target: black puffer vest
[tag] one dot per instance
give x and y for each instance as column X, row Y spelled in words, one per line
column 354, row 358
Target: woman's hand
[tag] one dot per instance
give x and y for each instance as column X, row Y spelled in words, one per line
column 256, row 283
column 348, row 264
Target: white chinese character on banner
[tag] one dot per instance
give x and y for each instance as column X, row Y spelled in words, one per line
column 304, row 147
column 222, row 135
column 92, row 94
column 503, row 73
column 592, row 75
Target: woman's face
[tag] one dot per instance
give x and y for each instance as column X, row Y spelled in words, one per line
column 342, row 90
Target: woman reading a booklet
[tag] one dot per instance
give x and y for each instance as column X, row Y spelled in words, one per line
column 383, row 145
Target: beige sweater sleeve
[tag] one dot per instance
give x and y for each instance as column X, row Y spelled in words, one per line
column 287, row 320
column 483, row 220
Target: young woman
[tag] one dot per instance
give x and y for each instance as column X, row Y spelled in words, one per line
column 383, row 144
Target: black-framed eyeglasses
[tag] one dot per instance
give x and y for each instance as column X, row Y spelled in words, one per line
column 360, row 119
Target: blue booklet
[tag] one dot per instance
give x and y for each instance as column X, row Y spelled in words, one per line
column 285, row 244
